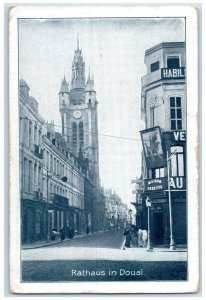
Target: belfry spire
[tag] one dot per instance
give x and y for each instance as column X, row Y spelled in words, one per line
column 88, row 78
column 78, row 69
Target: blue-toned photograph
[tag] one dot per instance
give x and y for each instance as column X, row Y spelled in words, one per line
column 102, row 149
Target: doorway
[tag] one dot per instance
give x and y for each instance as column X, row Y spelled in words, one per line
column 158, row 228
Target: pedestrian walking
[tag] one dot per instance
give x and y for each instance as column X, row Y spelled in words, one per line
column 62, row 234
column 134, row 236
column 140, row 241
column 87, row 230
column 53, row 234
column 144, row 237
column 71, row 233
column 127, row 233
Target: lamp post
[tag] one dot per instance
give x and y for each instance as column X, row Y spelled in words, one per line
column 172, row 241
column 148, row 204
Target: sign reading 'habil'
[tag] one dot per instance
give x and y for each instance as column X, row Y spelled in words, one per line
column 173, row 73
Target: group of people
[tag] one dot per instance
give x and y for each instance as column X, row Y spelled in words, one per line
column 62, row 233
column 135, row 237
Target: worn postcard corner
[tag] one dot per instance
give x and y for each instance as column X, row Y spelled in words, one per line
column 103, row 149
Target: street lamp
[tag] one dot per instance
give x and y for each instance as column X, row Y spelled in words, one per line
column 172, row 241
column 148, row 204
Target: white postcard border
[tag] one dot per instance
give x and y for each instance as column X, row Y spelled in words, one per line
column 192, row 149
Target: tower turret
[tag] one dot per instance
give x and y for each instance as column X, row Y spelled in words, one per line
column 63, row 102
column 90, row 92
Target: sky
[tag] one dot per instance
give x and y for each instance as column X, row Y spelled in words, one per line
column 114, row 49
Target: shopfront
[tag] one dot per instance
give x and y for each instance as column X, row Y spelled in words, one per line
column 161, row 186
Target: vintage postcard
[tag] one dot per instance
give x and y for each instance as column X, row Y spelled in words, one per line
column 103, row 149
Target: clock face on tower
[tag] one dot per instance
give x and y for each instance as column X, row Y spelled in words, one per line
column 77, row 114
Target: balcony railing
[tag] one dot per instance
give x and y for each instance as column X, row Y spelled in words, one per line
column 38, row 151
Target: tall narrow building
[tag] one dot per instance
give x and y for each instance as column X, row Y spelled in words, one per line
column 78, row 108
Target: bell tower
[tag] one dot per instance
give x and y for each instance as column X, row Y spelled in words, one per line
column 78, row 108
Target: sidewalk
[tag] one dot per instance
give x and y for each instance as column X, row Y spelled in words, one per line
column 106, row 254
column 165, row 248
column 45, row 243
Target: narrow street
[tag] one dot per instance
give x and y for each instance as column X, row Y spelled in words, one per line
column 99, row 257
column 107, row 239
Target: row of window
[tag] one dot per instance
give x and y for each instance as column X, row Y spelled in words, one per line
column 57, row 167
column 74, row 198
column 30, row 134
column 172, row 63
column 31, row 176
column 176, row 165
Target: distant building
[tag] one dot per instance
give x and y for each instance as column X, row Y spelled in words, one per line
column 116, row 211
column 163, row 110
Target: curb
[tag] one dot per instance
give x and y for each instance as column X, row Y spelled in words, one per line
column 57, row 242
column 51, row 244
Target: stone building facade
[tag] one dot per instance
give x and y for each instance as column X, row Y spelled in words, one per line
column 63, row 184
column 52, row 183
column 32, row 130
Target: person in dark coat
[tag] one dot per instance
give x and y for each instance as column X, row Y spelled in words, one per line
column 127, row 233
column 71, row 233
column 87, row 230
column 53, row 234
column 134, row 236
column 62, row 234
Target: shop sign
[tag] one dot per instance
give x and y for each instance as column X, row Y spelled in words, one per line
column 152, row 146
column 161, row 184
column 173, row 73
column 157, row 184
column 179, row 136
column 177, row 183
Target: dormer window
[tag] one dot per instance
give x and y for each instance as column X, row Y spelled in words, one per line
column 173, row 62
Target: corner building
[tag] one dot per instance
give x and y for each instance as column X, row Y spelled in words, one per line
column 163, row 108
column 78, row 109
